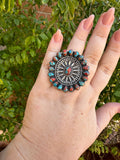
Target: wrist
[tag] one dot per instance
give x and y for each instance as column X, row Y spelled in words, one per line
column 20, row 148
column 11, row 152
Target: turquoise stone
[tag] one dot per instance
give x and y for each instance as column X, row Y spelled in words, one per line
column 76, row 54
column 80, row 57
column 65, row 89
column 81, row 83
column 55, row 58
column 70, row 52
column 84, row 62
column 60, row 87
column 52, row 63
column 51, row 69
column 55, row 84
column 59, row 54
column 50, row 74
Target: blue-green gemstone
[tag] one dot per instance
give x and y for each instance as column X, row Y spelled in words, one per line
column 65, row 90
column 81, row 83
column 84, row 62
column 60, row 86
column 80, row 57
column 76, row 54
column 50, row 74
column 55, row 84
column 52, row 63
column 70, row 51
column 51, row 69
column 59, row 54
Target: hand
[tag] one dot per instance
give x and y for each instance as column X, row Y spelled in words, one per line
column 61, row 126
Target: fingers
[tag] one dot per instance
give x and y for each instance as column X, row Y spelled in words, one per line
column 107, row 63
column 78, row 41
column 53, row 47
column 104, row 115
column 97, row 42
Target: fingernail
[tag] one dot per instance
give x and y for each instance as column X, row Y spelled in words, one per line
column 117, row 35
column 88, row 22
column 58, row 36
column 108, row 16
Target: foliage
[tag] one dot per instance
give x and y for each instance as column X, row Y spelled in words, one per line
column 26, row 39
column 99, row 147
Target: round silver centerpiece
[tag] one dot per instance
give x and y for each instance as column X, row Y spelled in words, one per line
column 68, row 70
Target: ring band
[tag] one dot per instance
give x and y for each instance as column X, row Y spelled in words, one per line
column 68, row 70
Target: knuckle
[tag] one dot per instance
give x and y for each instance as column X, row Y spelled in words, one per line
column 45, row 65
column 92, row 59
column 101, row 35
column 81, row 38
column 114, row 50
column 106, row 68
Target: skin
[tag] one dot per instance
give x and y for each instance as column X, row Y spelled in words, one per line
column 61, row 126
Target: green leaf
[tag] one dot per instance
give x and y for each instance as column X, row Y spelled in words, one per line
column 81, row 158
column 3, row 5
column 103, row 149
column 114, row 151
column 18, row 59
column 43, row 36
column 32, row 53
column 61, row 5
column 8, row 74
column 12, row 60
column 29, row 40
column 71, row 9
column 117, row 93
column 14, row 49
column 24, row 56
column 84, row 3
column 5, row 56
column 45, row 1
column 20, row 2
column 9, row 2
column 38, row 43
column 16, row 21
column 98, row 151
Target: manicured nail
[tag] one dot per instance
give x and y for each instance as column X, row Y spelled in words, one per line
column 117, row 35
column 58, row 36
column 88, row 22
column 108, row 16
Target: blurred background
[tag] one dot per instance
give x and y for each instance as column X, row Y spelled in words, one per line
column 26, row 28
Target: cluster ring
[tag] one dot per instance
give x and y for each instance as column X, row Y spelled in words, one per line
column 68, row 70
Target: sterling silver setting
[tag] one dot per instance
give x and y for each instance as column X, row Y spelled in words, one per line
column 68, row 70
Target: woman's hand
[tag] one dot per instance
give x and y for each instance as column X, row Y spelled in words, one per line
column 61, row 126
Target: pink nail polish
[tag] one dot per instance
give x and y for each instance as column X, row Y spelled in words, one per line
column 88, row 22
column 58, row 36
column 108, row 17
column 117, row 35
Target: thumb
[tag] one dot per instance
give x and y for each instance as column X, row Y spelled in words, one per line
column 104, row 115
